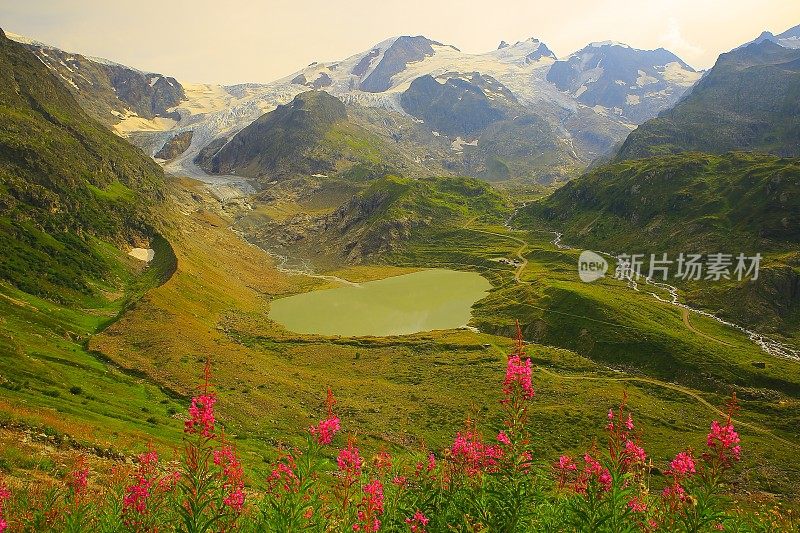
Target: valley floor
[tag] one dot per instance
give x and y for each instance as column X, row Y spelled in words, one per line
column 591, row 344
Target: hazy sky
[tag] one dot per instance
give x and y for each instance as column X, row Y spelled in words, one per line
column 231, row 41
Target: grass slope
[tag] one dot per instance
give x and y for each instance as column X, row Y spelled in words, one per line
column 64, row 180
column 694, row 203
column 395, row 392
column 747, row 101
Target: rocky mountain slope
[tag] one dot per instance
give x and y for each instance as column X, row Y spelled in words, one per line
column 66, row 183
column 675, row 187
column 379, row 218
column 110, row 92
column 310, row 136
column 788, row 39
column 633, row 84
column 694, row 203
column 749, row 100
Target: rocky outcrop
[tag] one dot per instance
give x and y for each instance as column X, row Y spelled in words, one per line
column 403, row 51
column 457, row 106
column 109, row 91
column 175, row 146
column 278, row 143
column 635, row 84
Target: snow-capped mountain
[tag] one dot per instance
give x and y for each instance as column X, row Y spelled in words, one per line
column 788, row 39
column 583, row 105
column 630, row 83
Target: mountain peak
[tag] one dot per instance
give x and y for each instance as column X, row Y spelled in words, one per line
column 788, row 39
column 602, row 44
column 502, row 45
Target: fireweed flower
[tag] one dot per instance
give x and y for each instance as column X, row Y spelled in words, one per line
column 502, row 438
column 723, row 440
column 682, row 466
column 473, row 455
column 232, row 477
column 326, row 429
column 371, row 508
column 349, row 462
column 201, row 416
column 518, row 377
column 5, row 494
column 637, row 505
column 134, row 502
column 418, row 522
column 634, row 453
column 283, row 478
column 400, row 481
column 78, row 478
column 592, row 471
column 566, row 463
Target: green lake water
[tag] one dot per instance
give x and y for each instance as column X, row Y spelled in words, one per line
column 421, row 301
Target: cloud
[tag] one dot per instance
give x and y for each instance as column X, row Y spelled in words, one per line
column 674, row 40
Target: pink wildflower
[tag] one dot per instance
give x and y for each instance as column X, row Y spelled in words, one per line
column 593, row 470
column 474, row 455
column 371, row 508
column 518, row 377
column 565, row 462
column 201, row 416
column 349, row 462
column 674, row 491
column 134, row 502
column 232, row 477
column 400, row 481
column 629, row 422
column 78, row 478
column 235, row 500
column 502, row 438
column 637, row 506
column 682, row 465
column 325, row 430
column 724, row 440
column 283, row 476
column 5, row 494
column 418, row 522
column 634, row 453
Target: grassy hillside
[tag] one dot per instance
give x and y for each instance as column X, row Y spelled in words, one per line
column 694, row 203
column 749, row 100
column 698, row 202
column 399, row 391
column 311, row 135
column 65, row 183
column 381, row 215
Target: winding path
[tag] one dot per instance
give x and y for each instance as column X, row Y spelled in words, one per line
column 688, row 324
column 677, row 388
column 520, row 253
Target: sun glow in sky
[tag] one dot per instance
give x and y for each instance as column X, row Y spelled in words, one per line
column 237, row 41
